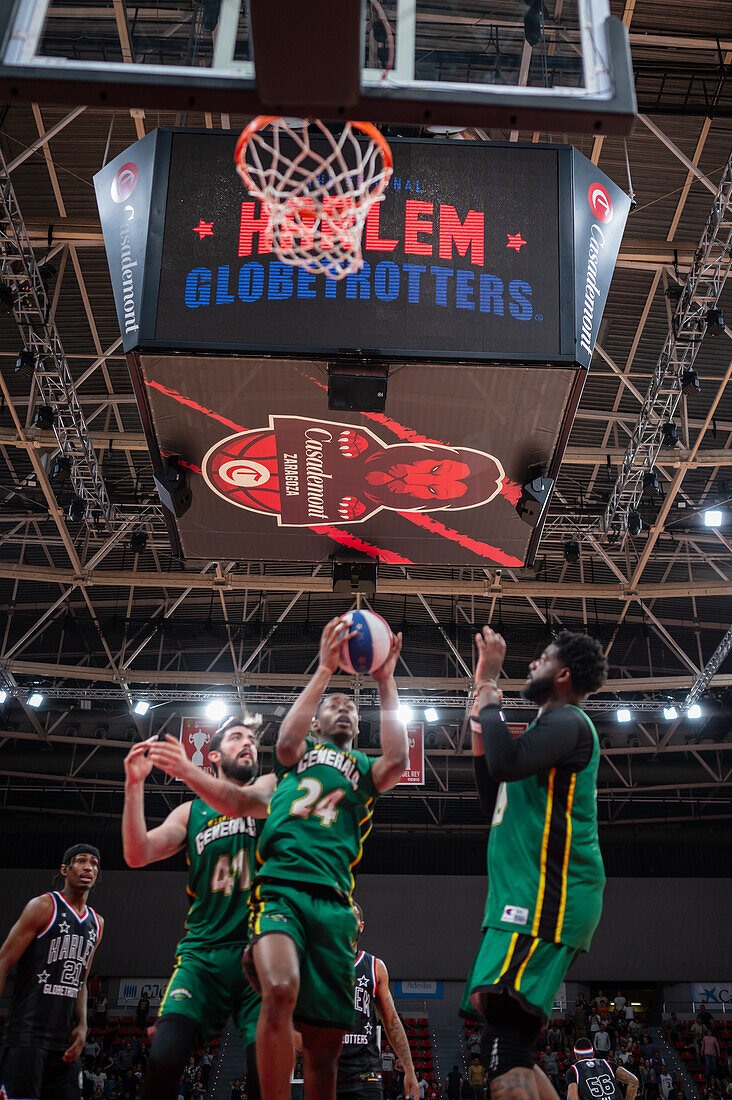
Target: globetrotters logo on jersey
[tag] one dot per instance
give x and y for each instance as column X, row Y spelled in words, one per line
column 600, row 202
column 124, row 182
column 305, row 471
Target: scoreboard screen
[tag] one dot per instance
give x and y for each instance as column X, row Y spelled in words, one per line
column 461, row 259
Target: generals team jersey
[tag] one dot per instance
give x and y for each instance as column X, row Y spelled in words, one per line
column 360, row 1058
column 220, row 852
column 545, row 870
column 319, row 817
column 48, row 977
column 595, row 1079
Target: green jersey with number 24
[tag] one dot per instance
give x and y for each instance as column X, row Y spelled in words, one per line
column 319, row 817
column 220, row 852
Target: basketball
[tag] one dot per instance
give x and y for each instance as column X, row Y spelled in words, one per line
column 371, row 645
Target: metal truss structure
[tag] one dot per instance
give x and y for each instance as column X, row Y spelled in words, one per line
column 94, row 623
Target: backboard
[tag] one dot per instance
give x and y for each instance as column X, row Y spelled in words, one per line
column 548, row 65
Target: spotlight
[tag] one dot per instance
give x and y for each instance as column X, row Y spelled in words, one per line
column 141, row 707
column 138, row 542
column 650, row 482
column 571, row 551
column 3, row 695
column 670, row 713
column 61, row 469
column 690, row 383
column 7, row 299
column 35, row 699
column 712, row 517
column 26, row 362
column 694, row 711
column 430, row 714
column 635, row 523
column 405, row 713
column 77, row 509
column 216, row 710
column 623, row 715
column 670, row 434
column 533, row 22
column 714, row 320
column 44, row 417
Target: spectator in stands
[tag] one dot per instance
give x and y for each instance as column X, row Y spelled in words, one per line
column 594, row 1022
column 706, row 1016
column 710, row 1050
column 550, row 1065
column 621, row 1056
column 568, row 1032
column 143, row 1008
column 646, row 1045
column 423, row 1086
column 207, row 1061
column 665, row 1083
column 453, row 1084
column 554, row 1037
column 474, row 1044
column 600, row 1004
column 476, row 1077
column 387, row 1068
column 602, row 1042
column 126, row 1057
column 100, row 1011
column 653, row 1091
column 629, row 1012
column 236, row 1090
column 619, row 1004
column 697, row 1034
column 92, row 1048
column 673, row 1028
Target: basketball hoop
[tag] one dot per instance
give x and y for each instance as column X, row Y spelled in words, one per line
column 317, row 201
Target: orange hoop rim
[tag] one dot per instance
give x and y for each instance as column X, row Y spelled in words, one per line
column 261, row 121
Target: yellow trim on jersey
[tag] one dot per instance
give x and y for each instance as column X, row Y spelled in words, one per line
column 509, row 956
column 369, row 806
column 257, row 909
column 565, row 861
column 544, row 847
column 176, row 968
column 520, row 974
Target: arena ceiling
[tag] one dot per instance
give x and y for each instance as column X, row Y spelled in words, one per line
column 94, row 624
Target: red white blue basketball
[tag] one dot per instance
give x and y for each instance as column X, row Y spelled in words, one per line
column 371, row 644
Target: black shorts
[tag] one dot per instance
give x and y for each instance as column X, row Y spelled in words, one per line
column 361, row 1090
column 31, row 1074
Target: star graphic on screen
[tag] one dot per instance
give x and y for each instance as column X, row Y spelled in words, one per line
column 63, row 928
column 515, row 240
column 204, row 229
column 43, row 977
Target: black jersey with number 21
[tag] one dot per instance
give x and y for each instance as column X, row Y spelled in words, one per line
column 595, row 1079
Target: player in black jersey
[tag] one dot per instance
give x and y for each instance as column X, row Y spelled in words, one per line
column 593, row 1078
column 51, row 946
column 359, row 1065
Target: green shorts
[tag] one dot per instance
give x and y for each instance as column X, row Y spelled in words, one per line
column 529, row 969
column 323, row 928
column 207, row 986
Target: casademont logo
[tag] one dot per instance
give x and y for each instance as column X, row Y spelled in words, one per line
column 124, row 182
column 600, row 203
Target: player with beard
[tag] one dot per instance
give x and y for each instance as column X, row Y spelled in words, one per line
column 302, row 925
column 207, row 985
column 51, row 946
column 545, row 871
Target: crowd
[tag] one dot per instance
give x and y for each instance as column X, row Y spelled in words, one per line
column 700, row 1048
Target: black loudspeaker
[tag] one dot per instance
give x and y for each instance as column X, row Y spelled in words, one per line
column 357, row 388
column 352, row 576
column 173, row 488
column 534, row 499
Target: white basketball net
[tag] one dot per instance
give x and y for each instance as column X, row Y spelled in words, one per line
column 317, row 201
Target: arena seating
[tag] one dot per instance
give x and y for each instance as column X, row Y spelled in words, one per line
column 420, row 1045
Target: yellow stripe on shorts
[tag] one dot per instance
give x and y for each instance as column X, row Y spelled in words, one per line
column 519, row 976
column 509, row 956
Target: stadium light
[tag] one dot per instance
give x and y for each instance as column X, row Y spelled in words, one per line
column 141, row 707
column 623, row 715
column 405, row 713
column 670, row 713
column 712, row 517
column 3, row 695
column 431, row 715
column 35, row 699
column 216, row 710
column 694, row 711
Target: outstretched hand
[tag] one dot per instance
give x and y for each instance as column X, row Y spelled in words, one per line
column 386, row 671
column 170, row 756
column 335, row 633
column 138, row 764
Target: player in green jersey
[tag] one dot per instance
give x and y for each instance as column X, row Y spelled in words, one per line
column 545, row 871
column 207, row 985
column 302, row 925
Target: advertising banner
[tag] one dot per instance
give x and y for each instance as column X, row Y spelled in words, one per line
column 195, row 734
column 131, row 989
column 414, row 775
column 124, row 191
column 717, row 996
column 418, row 991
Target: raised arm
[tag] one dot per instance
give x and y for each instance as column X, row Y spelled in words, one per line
column 34, row 917
column 228, row 798
column 486, row 786
column 78, row 1034
column 560, row 736
column 394, row 1029
column 629, row 1080
column 390, row 766
column 296, row 724
column 140, row 844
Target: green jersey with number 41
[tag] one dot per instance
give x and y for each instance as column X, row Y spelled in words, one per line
column 220, row 852
column 319, row 817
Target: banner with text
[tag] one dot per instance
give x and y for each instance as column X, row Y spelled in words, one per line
column 717, row 996
column 414, row 775
column 195, row 735
column 131, row 989
column 418, row 991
